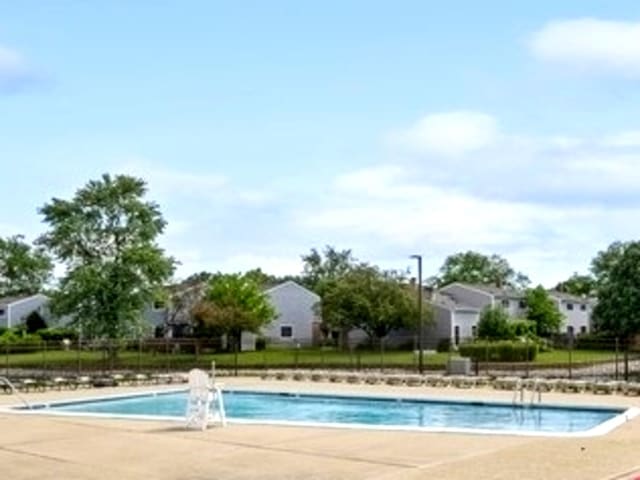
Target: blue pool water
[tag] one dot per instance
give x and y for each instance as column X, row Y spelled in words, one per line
column 323, row 409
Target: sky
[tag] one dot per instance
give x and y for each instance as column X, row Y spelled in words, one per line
column 264, row 129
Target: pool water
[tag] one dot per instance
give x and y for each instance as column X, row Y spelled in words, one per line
column 363, row 411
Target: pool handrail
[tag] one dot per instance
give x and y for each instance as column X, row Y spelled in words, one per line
column 14, row 391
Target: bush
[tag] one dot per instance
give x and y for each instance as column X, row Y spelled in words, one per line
column 502, row 351
column 523, row 328
column 596, row 341
column 494, row 324
column 34, row 322
column 444, row 345
column 20, row 342
column 58, row 334
column 261, row 343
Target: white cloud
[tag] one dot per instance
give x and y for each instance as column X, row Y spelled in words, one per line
column 448, row 133
column 169, row 184
column 404, row 215
column 15, row 72
column 629, row 138
column 589, row 43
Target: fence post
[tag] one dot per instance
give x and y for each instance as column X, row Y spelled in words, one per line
column 570, row 357
column 526, row 353
column 44, row 356
column 617, row 353
column 139, row 354
column 6, row 365
column 79, row 348
column 626, row 361
column 166, row 354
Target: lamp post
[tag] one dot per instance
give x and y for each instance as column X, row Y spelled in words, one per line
column 420, row 320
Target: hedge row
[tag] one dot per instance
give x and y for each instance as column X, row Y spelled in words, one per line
column 502, row 351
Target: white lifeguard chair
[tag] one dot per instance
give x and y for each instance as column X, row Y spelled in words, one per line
column 204, row 403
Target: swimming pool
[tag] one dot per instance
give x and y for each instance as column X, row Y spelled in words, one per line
column 364, row 412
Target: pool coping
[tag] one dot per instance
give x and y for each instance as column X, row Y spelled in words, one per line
column 625, row 413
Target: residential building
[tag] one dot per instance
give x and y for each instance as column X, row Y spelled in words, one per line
column 457, row 308
column 15, row 310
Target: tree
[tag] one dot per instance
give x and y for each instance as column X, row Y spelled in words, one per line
column 367, row 298
column 618, row 307
column 322, row 268
column 605, row 261
column 543, row 311
column 578, row 285
column 494, row 324
column 477, row 268
column 233, row 304
column 24, row 270
column 106, row 237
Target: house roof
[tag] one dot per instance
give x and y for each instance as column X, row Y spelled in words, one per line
column 491, row 290
column 294, row 284
column 567, row 297
column 443, row 300
column 16, row 299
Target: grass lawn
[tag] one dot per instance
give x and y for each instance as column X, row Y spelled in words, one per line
column 96, row 360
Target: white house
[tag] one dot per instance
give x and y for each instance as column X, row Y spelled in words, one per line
column 297, row 318
column 15, row 310
column 457, row 308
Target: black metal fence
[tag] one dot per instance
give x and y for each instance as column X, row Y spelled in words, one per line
column 603, row 360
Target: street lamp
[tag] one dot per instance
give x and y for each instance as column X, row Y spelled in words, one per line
column 420, row 320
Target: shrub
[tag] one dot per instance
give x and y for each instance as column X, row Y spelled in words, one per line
column 34, row 322
column 596, row 341
column 261, row 343
column 523, row 328
column 444, row 345
column 502, row 351
column 20, row 342
column 58, row 334
column 494, row 324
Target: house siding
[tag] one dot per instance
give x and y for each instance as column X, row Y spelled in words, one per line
column 295, row 308
column 17, row 312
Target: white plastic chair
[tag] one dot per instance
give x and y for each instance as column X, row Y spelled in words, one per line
column 204, row 403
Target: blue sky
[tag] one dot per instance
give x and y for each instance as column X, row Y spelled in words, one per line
column 392, row 128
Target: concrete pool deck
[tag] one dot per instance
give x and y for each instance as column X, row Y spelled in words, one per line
column 45, row 447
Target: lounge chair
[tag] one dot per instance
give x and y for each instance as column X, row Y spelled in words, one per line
column 204, row 403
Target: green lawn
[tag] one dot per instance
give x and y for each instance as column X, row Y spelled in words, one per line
column 95, row 360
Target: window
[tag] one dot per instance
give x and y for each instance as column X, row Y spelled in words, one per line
column 505, row 303
column 569, row 306
column 474, row 331
column 583, row 329
column 583, row 307
column 456, row 334
column 286, row 331
column 1, row 311
column 570, row 330
column 522, row 304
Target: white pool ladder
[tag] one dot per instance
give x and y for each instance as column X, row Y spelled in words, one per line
column 520, row 390
column 14, row 391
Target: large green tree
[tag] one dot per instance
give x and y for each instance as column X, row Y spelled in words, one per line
column 24, row 270
column 604, row 262
column 322, row 268
column 106, row 237
column 543, row 311
column 477, row 268
column 370, row 299
column 232, row 304
column 618, row 307
column 578, row 284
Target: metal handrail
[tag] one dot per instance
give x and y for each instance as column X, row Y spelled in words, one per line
column 14, row 391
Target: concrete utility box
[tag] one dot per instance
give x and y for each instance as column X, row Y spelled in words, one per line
column 459, row 366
